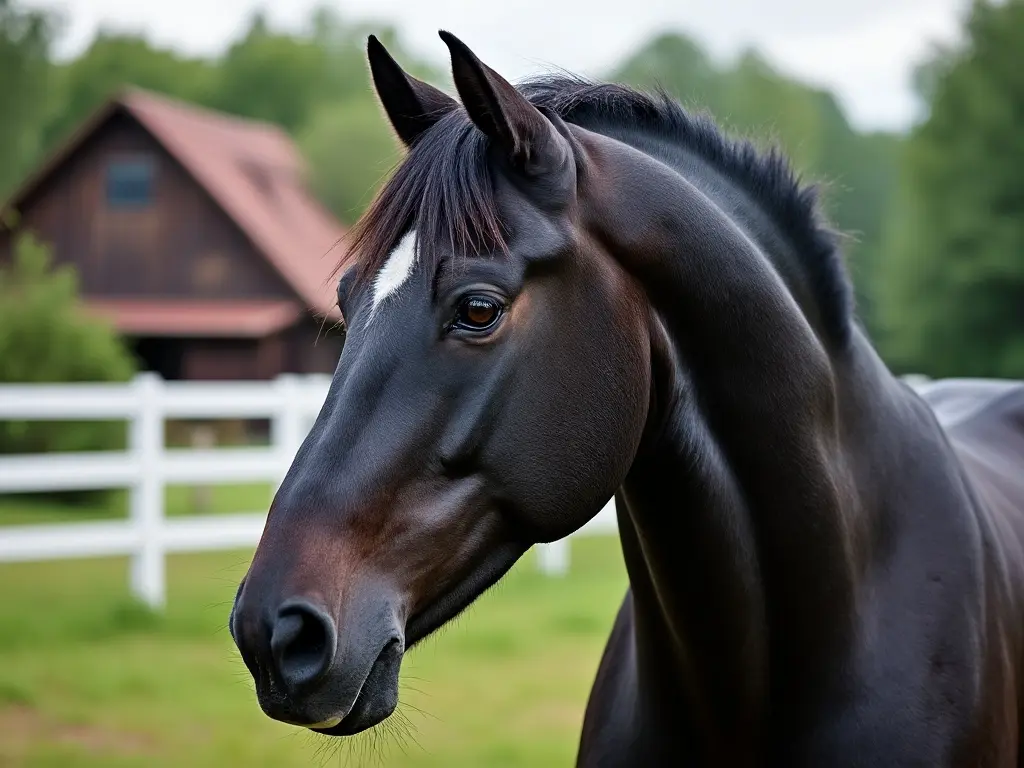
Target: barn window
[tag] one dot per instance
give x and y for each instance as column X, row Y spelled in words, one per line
column 130, row 183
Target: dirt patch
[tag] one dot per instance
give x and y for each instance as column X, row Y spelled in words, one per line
column 21, row 727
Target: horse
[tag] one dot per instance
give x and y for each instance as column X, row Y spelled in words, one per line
column 570, row 291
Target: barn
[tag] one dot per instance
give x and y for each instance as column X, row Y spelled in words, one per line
column 195, row 234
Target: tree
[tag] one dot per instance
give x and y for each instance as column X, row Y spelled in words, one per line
column 951, row 285
column 273, row 76
column 111, row 62
column 677, row 64
column 24, row 80
column 315, row 85
column 750, row 98
column 350, row 150
column 284, row 78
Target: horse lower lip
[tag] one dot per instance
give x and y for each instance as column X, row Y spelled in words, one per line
column 324, row 724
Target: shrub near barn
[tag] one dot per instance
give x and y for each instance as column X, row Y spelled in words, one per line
column 45, row 337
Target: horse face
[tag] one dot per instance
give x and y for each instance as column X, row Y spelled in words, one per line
column 482, row 403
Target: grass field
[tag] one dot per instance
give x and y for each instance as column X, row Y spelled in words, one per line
column 178, row 500
column 88, row 678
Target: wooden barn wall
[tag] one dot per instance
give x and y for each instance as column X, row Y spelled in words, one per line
column 181, row 246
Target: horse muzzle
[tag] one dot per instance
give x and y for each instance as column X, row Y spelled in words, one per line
column 311, row 670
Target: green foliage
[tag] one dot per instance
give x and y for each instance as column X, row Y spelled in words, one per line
column 24, row 78
column 351, row 149
column 111, row 62
column 856, row 170
column 951, row 285
column 45, row 338
column 43, row 335
column 275, row 77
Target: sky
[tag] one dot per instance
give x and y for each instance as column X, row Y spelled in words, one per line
column 863, row 50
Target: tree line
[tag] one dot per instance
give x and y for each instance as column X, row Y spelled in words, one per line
column 934, row 217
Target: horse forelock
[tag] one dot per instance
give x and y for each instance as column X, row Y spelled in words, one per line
column 444, row 190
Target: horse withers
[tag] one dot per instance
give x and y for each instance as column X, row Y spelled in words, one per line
column 569, row 291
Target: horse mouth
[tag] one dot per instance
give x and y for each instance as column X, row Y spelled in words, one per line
column 360, row 718
column 377, row 697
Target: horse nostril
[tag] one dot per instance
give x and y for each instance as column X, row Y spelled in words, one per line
column 303, row 643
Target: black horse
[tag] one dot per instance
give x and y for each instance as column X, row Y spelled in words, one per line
column 569, row 291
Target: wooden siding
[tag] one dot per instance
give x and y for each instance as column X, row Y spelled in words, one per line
column 182, row 245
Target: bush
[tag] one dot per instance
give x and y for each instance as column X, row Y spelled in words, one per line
column 46, row 338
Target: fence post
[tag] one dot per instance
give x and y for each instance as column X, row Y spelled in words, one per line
column 287, row 430
column 146, row 441
column 553, row 557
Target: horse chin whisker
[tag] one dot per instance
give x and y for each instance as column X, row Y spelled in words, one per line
column 372, row 746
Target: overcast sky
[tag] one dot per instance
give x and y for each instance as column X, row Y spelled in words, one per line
column 864, row 50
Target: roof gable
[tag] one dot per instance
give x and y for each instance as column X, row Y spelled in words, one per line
column 252, row 170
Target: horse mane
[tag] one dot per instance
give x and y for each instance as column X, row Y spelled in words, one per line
column 444, row 188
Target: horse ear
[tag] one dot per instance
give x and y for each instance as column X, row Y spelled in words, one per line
column 503, row 113
column 411, row 105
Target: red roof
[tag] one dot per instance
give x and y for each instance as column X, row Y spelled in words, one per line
column 253, row 171
column 158, row 317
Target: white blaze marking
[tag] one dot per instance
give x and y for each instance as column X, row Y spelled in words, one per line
column 396, row 270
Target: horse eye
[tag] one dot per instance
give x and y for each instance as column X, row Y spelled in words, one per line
column 477, row 313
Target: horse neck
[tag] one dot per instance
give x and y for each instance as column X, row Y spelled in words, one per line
column 742, row 532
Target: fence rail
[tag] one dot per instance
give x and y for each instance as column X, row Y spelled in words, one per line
column 147, row 466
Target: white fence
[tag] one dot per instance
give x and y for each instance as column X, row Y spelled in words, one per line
column 147, row 536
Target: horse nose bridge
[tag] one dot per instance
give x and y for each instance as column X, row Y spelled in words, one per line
column 336, row 476
column 350, row 440
column 314, row 510
column 360, row 389
column 375, row 387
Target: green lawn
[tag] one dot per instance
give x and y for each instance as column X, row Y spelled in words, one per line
column 179, row 500
column 89, row 679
